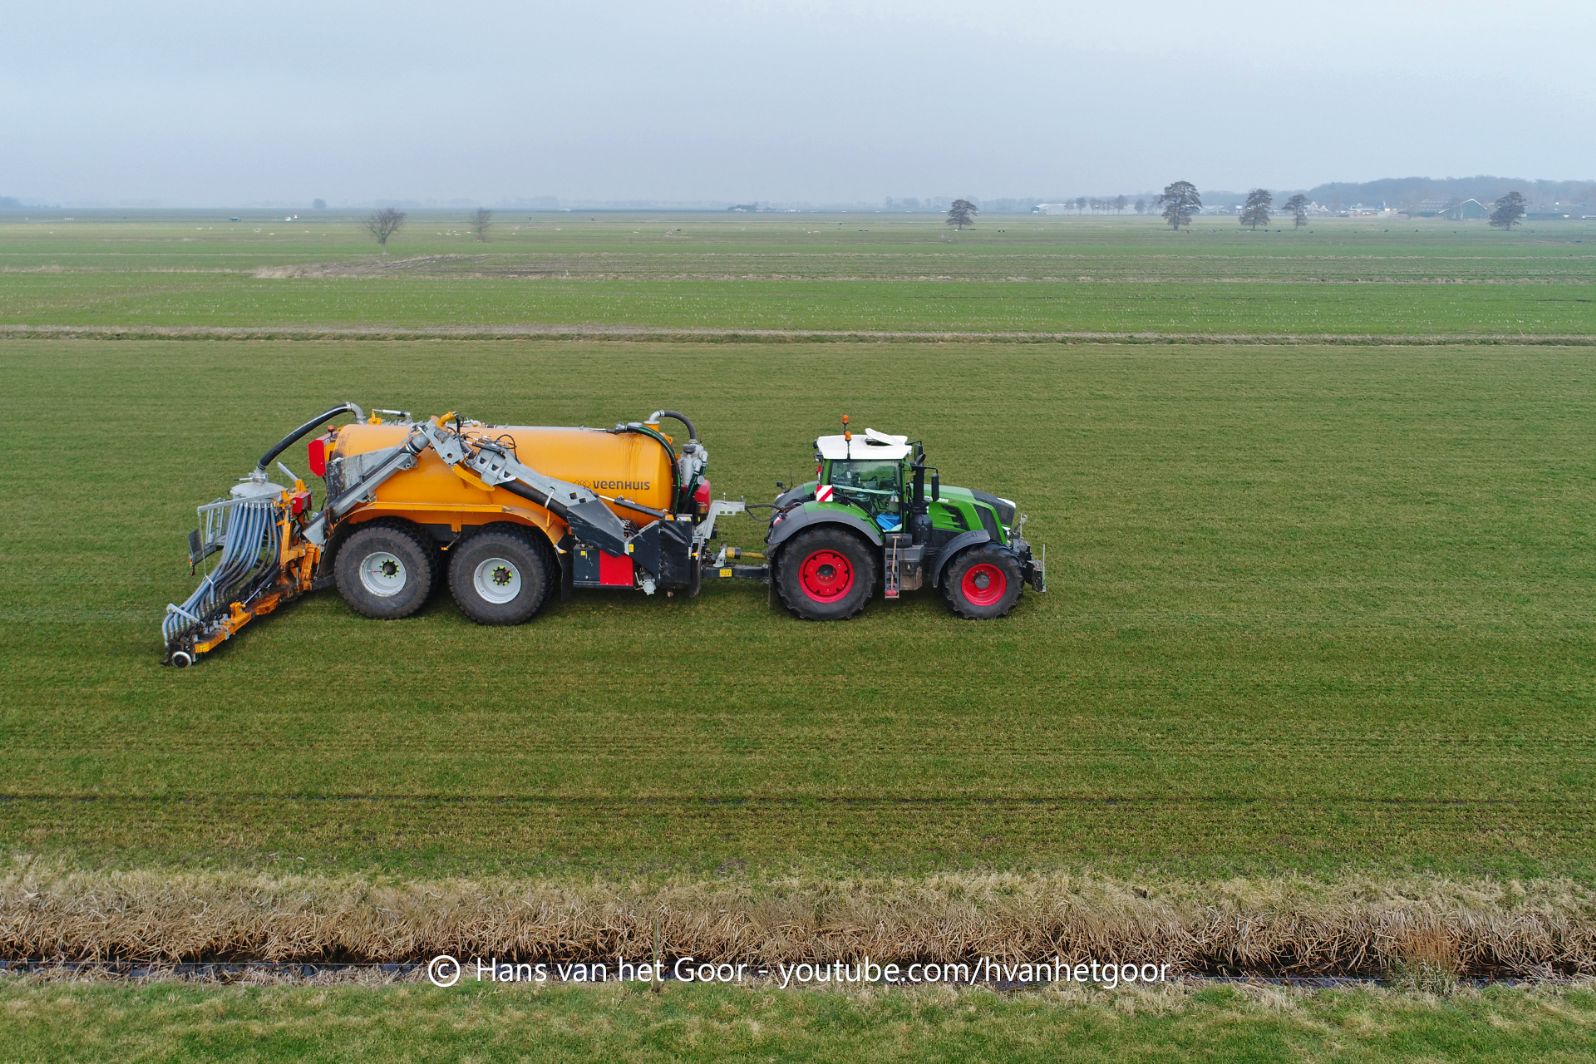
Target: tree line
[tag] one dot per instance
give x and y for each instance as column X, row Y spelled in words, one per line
column 1180, row 201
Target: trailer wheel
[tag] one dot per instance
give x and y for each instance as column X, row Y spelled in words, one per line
column 499, row 576
column 982, row 583
column 826, row 574
column 384, row 570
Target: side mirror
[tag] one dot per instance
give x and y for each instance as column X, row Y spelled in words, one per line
column 936, row 487
column 780, row 486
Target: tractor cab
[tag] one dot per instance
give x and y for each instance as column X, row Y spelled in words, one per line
column 872, row 472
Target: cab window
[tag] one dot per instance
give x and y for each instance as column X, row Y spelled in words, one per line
column 875, row 485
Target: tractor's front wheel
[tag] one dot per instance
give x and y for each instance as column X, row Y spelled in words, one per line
column 826, row 574
column 982, row 582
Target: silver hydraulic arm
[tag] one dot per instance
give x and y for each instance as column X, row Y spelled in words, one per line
column 591, row 521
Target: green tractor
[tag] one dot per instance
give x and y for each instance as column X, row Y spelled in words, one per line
column 870, row 522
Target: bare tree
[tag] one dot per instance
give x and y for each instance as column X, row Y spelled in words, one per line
column 1120, row 203
column 481, row 218
column 962, row 213
column 1509, row 211
column 1298, row 207
column 384, row 224
column 1178, row 202
column 1255, row 211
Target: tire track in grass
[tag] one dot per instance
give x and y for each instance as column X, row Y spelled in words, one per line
column 733, row 334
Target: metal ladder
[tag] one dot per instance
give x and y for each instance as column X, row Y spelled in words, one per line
column 890, row 588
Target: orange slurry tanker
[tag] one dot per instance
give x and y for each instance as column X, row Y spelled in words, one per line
column 511, row 516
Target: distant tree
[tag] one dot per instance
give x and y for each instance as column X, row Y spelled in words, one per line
column 1120, row 203
column 481, row 218
column 1178, row 202
column 962, row 213
column 318, row 204
column 1509, row 211
column 1080, row 204
column 1255, row 211
column 1297, row 206
column 1141, row 206
column 384, row 224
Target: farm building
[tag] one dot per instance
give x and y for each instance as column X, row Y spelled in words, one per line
column 1466, row 211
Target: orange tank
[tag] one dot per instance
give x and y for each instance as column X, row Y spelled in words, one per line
column 632, row 465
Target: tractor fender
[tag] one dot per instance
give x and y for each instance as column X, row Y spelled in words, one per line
column 955, row 545
column 802, row 519
column 794, row 495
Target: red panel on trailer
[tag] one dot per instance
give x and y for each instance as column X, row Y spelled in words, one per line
column 316, row 450
column 615, row 570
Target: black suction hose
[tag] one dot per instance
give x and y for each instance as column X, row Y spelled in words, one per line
column 288, row 441
column 692, row 433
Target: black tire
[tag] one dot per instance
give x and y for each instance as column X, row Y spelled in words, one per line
column 826, row 573
column 385, row 570
column 495, row 562
column 983, row 582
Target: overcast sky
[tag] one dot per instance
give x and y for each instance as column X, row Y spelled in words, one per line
column 230, row 103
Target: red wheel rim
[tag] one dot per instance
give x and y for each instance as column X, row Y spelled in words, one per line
column 825, row 576
column 984, row 584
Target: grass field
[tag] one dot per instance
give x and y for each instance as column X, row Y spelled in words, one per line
column 264, row 1023
column 1311, row 610
column 874, row 272
column 1319, row 611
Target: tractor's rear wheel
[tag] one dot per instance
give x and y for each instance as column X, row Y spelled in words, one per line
column 826, row 574
column 982, row 582
column 385, row 570
column 500, row 576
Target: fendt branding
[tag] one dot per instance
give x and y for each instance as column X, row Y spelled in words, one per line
column 617, row 485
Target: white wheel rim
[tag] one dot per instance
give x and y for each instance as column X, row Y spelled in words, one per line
column 496, row 580
column 382, row 574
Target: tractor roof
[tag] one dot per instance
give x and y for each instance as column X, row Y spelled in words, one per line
column 869, row 444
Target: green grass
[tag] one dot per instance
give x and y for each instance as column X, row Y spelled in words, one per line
column 1314, row 609
column 864, row 272
column 186, row 1022
column 1424, row 310
column 664, row 245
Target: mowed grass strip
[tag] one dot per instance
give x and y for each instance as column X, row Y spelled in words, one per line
column 163, row 1021
column 971, row 306
column 1312, row 610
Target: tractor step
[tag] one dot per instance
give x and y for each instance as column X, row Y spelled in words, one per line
column 904, row 565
